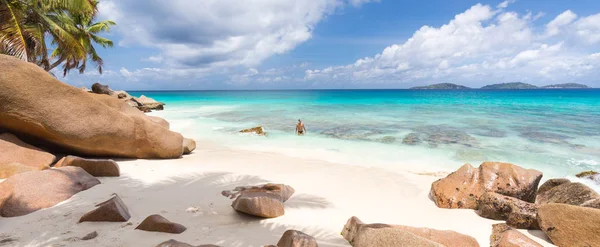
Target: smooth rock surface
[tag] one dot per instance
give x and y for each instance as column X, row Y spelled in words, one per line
column 568, row 225
column 360, row 234
column 37, row 105
column 28, row 192
column 157, row 223
column 282, row 190
column 576, row 194
column 504, row 236
column 462, row 188
column 112, row 210
column 551, row 183
column 261, row 204
column 17, row 156
column 95, row 167
column 516, row 213
column 189, row 145
column 293, row 238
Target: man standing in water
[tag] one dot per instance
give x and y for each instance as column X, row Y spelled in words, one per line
column 300, row 129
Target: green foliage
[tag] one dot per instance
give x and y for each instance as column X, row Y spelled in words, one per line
column 26, row 25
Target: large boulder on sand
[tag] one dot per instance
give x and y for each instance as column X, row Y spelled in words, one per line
column 462, row 188
column 360, row 234
column 95, row 167
column 293, row 238
column 505, row 236
column 36, row 105
column 17, row 156
column 576, row 194
column 28, row 192
column 568, row 225
column 263, row 201
column 157, row 223
column 516, row 213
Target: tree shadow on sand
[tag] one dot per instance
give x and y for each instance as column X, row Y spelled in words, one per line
column 193, row 200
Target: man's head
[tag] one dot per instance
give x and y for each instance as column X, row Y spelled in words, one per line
column 299, row 121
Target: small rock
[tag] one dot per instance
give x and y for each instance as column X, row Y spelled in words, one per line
column 516, row 213
column 504, row 236
column 95, row 167
column 90, row 235
column 98, row 88
column 189, row 145
column 462, row 188
column 293, row 238
column 360, row 234
column 576, row 194
column 568, row 225
column 157, row 223
column 257, row 130
column 411, row 139
column 261, row 204
column 586, row 174
column 112, row 210
column 285, row 191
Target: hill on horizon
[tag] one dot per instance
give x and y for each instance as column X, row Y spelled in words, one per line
column 444, row 86
column 567, row 85
column 510, row 85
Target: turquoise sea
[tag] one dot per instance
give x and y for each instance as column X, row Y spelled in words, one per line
column 555, row 131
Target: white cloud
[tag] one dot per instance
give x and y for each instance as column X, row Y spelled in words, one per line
column 505, row 4
column 218, row 33
column 482, row 44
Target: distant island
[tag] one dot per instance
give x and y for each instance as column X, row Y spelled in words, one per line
column 510, row 85
column 442, row 86
column 567, row 85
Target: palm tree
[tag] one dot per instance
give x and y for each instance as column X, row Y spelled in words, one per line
column 25, row 25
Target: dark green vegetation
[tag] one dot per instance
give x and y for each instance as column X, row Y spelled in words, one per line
column 567, row 85
column 444, row 86
column 510, row 85
column 26, row 27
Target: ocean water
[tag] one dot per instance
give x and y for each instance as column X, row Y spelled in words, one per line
column 555, row 131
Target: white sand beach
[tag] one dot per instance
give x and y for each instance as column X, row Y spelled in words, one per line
column 188, row 191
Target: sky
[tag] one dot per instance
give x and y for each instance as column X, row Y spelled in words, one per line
column 345, row 44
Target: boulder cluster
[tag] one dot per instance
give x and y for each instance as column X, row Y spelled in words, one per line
column 567, row 212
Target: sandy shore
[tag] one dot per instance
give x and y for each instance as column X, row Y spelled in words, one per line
column 188, row 191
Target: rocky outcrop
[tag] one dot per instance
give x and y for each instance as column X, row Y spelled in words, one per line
column 516, row 213
column 36, row 105
column 263, row 201
column 112, row 210
column 189, row 145
column 360, row 234
column 95, row 167
column 256, row 130
column 576, row 194
column 504, row 236
column 568, row 225
column 150, row 103
column 157, row 223
column 17, row 156
column 28, row 192
column 293, row 238
column 175, row 243
column 590, row 175
column 462, row 188
column 551, row 183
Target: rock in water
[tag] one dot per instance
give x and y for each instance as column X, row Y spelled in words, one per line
column 28, row 192
column 17, row 156
column 101, row 89
column 359, row 234
column 411, row 139
column 590, row 175
column 504, row 236
column 462, row 188
column 516, row 213
column 576, row 194
column 568, row 225
column 189, row 145
column 256, row 130
column 112, row 210
column 95, row 167
column 261, row 204
column 37, row 105
column 157, row 223
column 175, row 243
column 293, row 238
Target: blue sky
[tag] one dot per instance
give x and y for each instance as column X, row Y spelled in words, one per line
column 289, row 44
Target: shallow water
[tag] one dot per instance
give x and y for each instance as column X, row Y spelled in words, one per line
column 555, row 131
